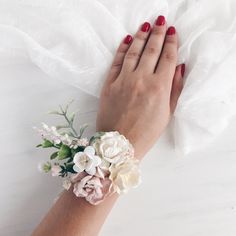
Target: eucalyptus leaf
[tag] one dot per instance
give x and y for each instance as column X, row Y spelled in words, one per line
column 72, row 117
column 54, row 113
column 39, row 145
column 82, row 129
column 62, row 126
column 68, row 105
column 71, row 134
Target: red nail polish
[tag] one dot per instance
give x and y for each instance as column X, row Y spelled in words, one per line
column 160, row 20
column 145, row 27
column 182, row 70
column 171, row 30
column 128, row 39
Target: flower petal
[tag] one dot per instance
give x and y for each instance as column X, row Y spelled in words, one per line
column 97, row 160
column 91, row 171
column 77, row 157
column 77, row 168
column 90, row 151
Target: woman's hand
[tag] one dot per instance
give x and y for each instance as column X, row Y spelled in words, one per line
column 143, row 86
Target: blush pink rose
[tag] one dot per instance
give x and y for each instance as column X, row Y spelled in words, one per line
column 92, row 188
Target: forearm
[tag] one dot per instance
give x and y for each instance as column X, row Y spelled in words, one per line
column 138, row 97
column 72, row 216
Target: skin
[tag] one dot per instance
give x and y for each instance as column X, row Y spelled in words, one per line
column 138, row 97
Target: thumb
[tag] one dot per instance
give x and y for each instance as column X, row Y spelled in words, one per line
column 177, row 86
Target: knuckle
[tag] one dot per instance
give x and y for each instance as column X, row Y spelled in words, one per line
column 132, row 54
column 140, row 36
column 170, row 56
column 121, row 50
column 171, row 40
column 116, row 65
column 158, row 31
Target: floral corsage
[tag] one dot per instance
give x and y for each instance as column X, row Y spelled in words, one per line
column 95, row 167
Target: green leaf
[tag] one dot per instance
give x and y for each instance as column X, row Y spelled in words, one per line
column 39, row 145
column 64, row 152
column 69, row 167
column 47, row 144
column 54, row 155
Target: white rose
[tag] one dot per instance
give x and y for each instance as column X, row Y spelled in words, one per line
column 113, row 147
column 125, row 176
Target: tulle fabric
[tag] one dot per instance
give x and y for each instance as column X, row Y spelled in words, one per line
column 75, row 41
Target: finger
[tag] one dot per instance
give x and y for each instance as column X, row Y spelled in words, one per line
column 168, row 60
column 119, row 58
column 133, row 54
column 177, row 86
column 153, row 48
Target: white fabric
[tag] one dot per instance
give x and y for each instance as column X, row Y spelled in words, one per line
column 74, row 41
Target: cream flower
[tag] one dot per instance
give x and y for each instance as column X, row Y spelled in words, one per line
column 125, row 176
column 55, row 170
column 86, row 161
column 113, row 147
column 92, row 188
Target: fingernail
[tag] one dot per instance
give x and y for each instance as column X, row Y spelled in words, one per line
column 171, row 30
column 145, row 27
column 182, row 70
column 160, row 20
column 128, row 39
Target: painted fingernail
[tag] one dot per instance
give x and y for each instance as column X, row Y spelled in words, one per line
column 160, row 20
column 182, row 70
column 145, row 27
column 128, row 39
column 171, row 30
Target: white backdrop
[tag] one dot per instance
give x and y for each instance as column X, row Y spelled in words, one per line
column 52, row 50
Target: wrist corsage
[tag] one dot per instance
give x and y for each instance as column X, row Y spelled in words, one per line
column 95, row 167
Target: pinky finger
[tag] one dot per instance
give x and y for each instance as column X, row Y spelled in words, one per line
column 177, row 86
column 119, row 58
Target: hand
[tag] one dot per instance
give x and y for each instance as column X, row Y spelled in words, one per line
column 143, row 86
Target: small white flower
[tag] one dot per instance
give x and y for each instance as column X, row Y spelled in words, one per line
column 86, row 161
column 55, row 170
